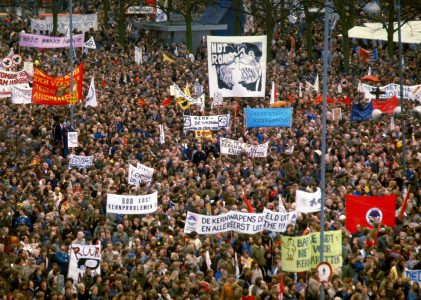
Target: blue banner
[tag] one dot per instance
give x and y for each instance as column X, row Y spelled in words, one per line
column 361, row 114
column 268, row 117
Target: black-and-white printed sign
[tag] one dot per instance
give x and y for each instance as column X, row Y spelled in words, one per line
column 206, row 122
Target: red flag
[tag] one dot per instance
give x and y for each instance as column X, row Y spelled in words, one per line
column 250, row 208
column 386, row 106
column 369, row 211
column 104, row 83
column 140, row 102
column 363, row 54
column 405, row 202
column 281, row 286
column 167, row 102
column 346, row 101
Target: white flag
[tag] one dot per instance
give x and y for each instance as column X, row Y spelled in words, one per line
column 90, row 44
column 281, row 205
column 300, row 92
column 340, row 88
column 161, row 134
column 90, row 99
column 316, row 84
column 138, row 55
column 176, row 51
column 369, row 71
column 392, row 123
column 308, row 202
column 272, row 93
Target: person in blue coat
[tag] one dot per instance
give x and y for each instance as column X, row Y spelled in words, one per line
column 62, row 257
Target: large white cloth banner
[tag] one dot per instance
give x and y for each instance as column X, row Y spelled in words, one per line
column 80, row 22
column 308, row 202
column 237, row 65
column 132, row 205
column 140, row 173
column 247, row 223
column 206, row 122
column 21, row 95
column 9, row 79
column 80, row 162
column 234, row 147
column 83, row 257
column 412, row 92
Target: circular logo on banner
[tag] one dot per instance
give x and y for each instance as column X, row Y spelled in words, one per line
column 7, row 62
column 374, row 216
column 17, row 59
column 191, row 220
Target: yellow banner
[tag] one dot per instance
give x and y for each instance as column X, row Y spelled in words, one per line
column 302, row 253
column 203, row 134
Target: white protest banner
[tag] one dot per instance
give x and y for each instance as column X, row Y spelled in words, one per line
column 278, row 221
column 90, row 99
column 140, row 173
column 414, row 275
column 132, row 205
column 194, row 101
column 21, row 95
column 9, row 79
column 90, row 44
column 139, row 10
column 80, row 162
column 83, row 257
column 308, row 202
column 237, row 65
column 138, row 55
column 412, row 92
column 72, row 139
column 206, row 122
column 248, row 223
column 234, row 147
column 161, row 134
column 80, row 22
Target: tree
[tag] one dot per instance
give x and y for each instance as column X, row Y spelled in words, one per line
column 346, row 11
column 186, row 9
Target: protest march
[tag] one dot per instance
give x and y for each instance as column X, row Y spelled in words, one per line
column 136, row 165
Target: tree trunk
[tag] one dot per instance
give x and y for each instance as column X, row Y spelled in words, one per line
column 390, row 29
column 238, row 10
column 106, row 7
column 344, row 28
column 55, row 16
column 189, row 34
column 309, row 31
column 169, row 10
column 122, row 23
column 269, row 32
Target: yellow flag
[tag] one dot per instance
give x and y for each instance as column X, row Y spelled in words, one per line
column 184, row 103
column 167, row 58
column 187, row 90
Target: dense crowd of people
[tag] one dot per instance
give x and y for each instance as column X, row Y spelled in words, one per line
column 45, row 206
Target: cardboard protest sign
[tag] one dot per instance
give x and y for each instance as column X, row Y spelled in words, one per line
column 302, row 253
column 72, row 139
column 206, row 122
column 237, row 65
column 234, row 147
column 80, row 162
column 140, row 173
column 132, row 205
column 83, row 257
